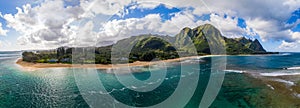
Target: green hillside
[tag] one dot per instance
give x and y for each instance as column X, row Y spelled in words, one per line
column 202, row 40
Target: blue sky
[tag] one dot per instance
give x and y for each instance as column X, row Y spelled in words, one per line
column 161, row 9
column 39, row 28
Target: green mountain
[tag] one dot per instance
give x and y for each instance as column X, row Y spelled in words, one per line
column 202, row 40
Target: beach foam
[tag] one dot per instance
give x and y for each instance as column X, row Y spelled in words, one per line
column 192, row 61
column 293, row 68
column 234, row 71
column 296, row 95
column 285, row 54
column 271, row 87
column 285, row 81
column 278, row 74
column 2, row 58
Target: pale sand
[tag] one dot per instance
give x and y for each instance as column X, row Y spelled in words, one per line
column 34, row 66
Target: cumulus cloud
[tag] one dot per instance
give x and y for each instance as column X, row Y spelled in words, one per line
column 44, row 23
column 2, row 31
column 288, row 45
column 271, row 29
column 106, row 7
column 295, row 35
column 270, row 14
column 114, row 30
column 293, row 44
column 229, row 26
column 85, row 36
column 118, row 29
column 266, row 18
column 52, row 23
column 152, row 23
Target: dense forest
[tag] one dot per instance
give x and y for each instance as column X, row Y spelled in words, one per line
column 197, row 41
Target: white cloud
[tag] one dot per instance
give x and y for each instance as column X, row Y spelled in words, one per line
column 295, row 35
column 106, row 7
column 152, row 23
column 53, row 24
column 2, row 31
column 291, row 46
column 150, row 5
column 119, row 29
column 229, row 26
column 85, row 36
column 266, row 17
column 43, row 24
column 179, row 21
column 288, row 45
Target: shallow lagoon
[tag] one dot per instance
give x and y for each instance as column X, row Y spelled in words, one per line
column 250, row 81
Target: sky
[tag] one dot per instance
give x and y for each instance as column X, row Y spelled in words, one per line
column 45, row 24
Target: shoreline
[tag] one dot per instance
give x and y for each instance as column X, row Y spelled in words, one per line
column 34, row 66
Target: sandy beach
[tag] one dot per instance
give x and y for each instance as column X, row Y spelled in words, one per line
column 33, row 66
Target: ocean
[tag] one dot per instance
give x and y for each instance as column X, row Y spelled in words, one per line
column 249, row 82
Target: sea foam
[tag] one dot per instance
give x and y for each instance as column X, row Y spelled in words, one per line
column 285, row 81
column 285, row 54
column 293, row 68
column 234, row 71
column 278, row 74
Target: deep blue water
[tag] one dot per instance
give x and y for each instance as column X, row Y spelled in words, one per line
column 67, row 87
column 276, row 61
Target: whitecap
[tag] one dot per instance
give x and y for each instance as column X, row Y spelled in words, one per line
column 186, row 61
column 101, row 92
column 296, row 95
column 278, row 74
column 2, row 58
column 285, row 54
column 92, row 92
column 150, row 83
column 174, row 76
column 192, row 61
column 271, row 87
column 134, row 87
column 234, row 71
column 285, row 81
column 293, row 68
column 122, row 89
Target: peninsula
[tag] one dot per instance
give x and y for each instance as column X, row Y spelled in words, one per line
column 145, row 48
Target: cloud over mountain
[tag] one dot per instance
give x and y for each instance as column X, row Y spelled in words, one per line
column 55, row 23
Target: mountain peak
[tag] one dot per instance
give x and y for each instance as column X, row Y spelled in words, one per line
column 186, row 28
column 205, row 26
column 208, row 25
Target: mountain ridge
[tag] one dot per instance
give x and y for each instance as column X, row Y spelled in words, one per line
column 202, row 40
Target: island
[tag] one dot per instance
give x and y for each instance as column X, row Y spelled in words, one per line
column 144, row 48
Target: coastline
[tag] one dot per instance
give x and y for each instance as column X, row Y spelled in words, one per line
column 34, row 66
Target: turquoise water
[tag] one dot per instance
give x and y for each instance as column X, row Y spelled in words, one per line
column 250, row 81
